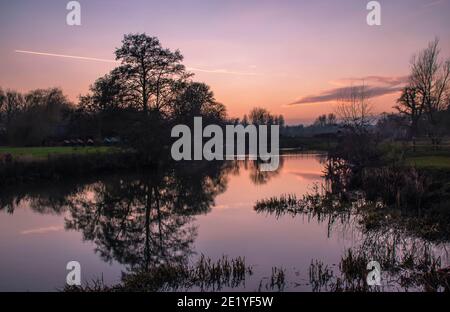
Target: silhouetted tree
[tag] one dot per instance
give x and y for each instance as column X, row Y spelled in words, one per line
column 393, row 126
column 40, row 115
column 108, row 104
column 261, row 116
column 107, row 94
column 321, row 121
column 245, row 121
column 430, row 80
column 2, row 103
column 150, row 71
column 13, row 103
column 354, row 108
column 331, row 119
column 411, row 105
column 197, row 99
column 357, row 145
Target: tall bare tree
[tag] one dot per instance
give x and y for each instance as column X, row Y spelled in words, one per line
column 411, row 105
column 430, row 78
column 354, row 108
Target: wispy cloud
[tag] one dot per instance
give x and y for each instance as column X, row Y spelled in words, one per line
column 85, row 58
column 373, row 80
column 434, row 3
column 426, row 7
column 375, row 86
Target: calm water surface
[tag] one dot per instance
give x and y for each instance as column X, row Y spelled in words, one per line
column 104, row 224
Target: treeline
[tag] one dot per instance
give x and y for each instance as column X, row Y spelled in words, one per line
column 34, row 117
column 137, row 103
column 322, row 125
column 137, row 100
column 422, row 110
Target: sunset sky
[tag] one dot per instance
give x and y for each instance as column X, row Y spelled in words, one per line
column 290, row 57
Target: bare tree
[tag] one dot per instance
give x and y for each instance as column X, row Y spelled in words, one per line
column 331, row 119
column 245, row 120
column 2, row 103
column 411, row 105
column 430, row 77
column 321, row 121
column 354, row 108
column 280, row 121
column 12, row 104
column 259, row 116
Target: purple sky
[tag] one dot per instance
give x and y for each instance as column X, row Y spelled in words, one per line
column 252, row 53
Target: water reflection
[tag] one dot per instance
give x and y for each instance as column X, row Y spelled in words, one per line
column 155, row 223
column 145, row 220
column 381, row 233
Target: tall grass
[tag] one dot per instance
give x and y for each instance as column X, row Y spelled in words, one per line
column 203, row 275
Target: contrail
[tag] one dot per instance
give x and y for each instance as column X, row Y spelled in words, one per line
column 211, row 71
column 220, row 71
column 68, row 56
column 43, row 230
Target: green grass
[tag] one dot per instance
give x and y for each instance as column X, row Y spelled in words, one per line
column 44, row 152
column 437, row 162
column 425, row 156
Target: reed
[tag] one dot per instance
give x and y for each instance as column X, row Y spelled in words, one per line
column 205, row 274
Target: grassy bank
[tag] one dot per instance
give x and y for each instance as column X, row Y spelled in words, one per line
column 430, row 162
column 426, row 157
column 61, row 167
column 45, row 152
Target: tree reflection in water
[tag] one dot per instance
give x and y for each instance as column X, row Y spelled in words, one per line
column 410, row 260
column 145, row 220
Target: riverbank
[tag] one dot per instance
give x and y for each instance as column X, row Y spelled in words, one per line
column 61, row 166
column 45, row 151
